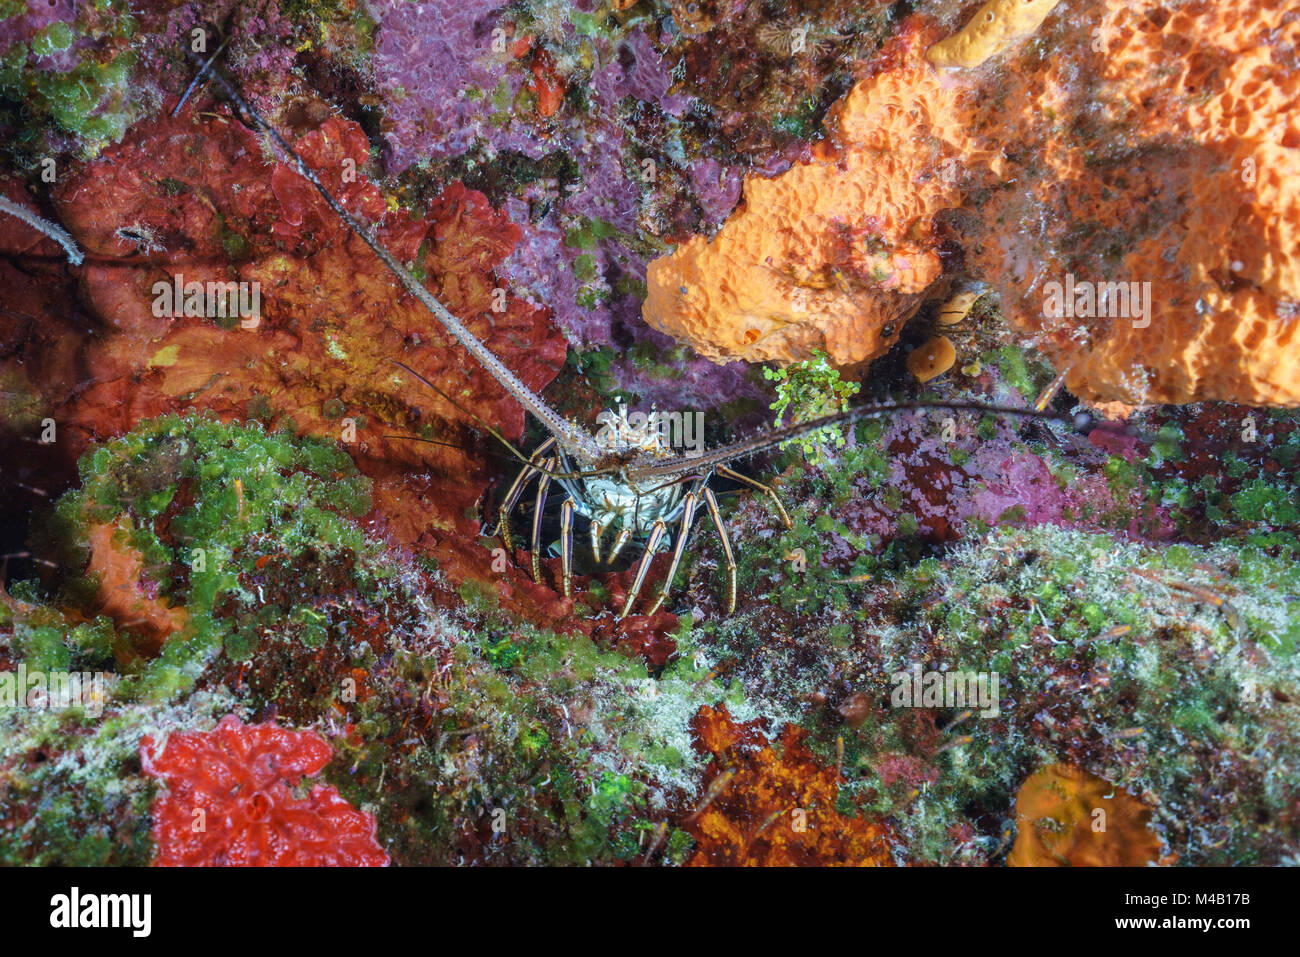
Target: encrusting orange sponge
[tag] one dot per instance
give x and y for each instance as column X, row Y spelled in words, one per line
column 1184, row 184
column 835, row 254
column 931, row 360
column 124, row 594
column 996, row 26
column 1150, row 165
column 1068, row 817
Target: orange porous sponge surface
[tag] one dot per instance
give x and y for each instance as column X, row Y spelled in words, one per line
column 1186, row 177
column 836, row 253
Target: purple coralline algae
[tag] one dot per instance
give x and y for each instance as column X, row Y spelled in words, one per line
column 448, row 79
column 451, row 77
column 957, row 482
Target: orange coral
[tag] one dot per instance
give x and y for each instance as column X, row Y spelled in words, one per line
column 768, row 805
column 836, row 253
column 1068, row 817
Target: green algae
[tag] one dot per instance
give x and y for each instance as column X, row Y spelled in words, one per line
column 588, row 751
column 1147, row 664
column 93, row 101
column 71, row 786
column 808, row 390
column 472, row 735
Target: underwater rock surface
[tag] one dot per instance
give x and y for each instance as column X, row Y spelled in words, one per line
column 262, row 546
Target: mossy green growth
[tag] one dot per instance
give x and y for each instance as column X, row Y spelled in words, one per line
column 225, row 495
column 583, row 744
column 809, row 390
column 803, row 121
column 252, row 533
column 596, row 365
column 1150, row 663
column 93, row 100
column 1021, row 370
column 1262, row 502
column 73, row 792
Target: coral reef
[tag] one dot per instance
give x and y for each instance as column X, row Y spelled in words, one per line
column 1134, row 661
column 292, row 611
column 578, row 105
column 259, row 544
column 448, row 82
column 765, row 77
column 65, row 75
column 341, row 329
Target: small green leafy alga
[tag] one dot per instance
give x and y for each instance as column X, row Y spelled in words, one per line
column 809, row 390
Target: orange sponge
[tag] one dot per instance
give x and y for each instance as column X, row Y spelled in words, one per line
column 933, row 359
column 995, row 27
column 837, row 253
column 1068, row 817
column 1184, row 179
column 1157, row 147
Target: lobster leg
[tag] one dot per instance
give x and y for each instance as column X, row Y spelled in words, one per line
column 624, row 536
column 656, row 536
column 566, row 545
column 765, row 489
column 543, row 484
column 596, row 531
column 688, row 515
column 712, row 502
column 516, row 490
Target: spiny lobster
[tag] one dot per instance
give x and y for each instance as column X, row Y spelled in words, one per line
column 633, row 487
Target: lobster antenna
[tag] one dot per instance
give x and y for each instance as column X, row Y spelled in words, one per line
column 42, row 225
column 495, row 434
column 564, row 431
column 759, row 443
column 535, row 466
